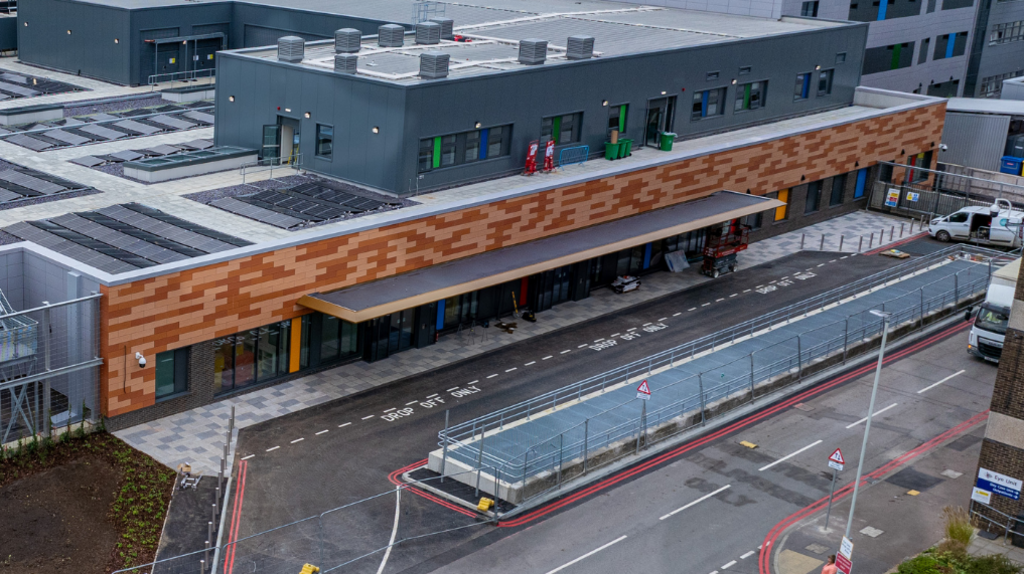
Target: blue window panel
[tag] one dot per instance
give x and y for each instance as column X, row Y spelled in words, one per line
column 882, row 7
column 440, row 315
column 862, row 179
column 807, row 86
column 483, row 143
column 704, row 104
column 950, row 45
column 647, row 256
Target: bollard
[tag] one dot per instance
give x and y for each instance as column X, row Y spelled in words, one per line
column 901, row 230
column 822, row 246
column 213, row 514
column 802, row 236
column 840, row 243
column 860, row 244
column 892, row 231
column 871, row 240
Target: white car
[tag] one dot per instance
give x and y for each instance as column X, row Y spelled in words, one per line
column 997, row 225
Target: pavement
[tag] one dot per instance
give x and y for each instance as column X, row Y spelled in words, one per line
column 194, row 436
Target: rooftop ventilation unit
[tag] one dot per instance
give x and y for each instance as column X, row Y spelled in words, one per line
column 428, row 33
column 580, row 47
column 434, row 65
column 291, row 49
column 391, row 36
column 347, row 40
column 447, row 27
column 533, row 51
column 345, row 63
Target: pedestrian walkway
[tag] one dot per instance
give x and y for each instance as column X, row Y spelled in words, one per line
column 195, row 436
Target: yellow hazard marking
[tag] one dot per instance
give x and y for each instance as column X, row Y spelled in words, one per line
column 913, row 492
column 748, row 444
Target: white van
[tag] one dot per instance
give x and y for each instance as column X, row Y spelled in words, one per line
column 989, row 329
column 998, row 225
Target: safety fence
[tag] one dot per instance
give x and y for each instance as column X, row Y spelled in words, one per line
column 937, row 193
column 573, row 155
column 186, row 76
column 516, row 466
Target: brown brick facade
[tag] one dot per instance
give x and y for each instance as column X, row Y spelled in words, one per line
column 1004, row 459
column 188, row 307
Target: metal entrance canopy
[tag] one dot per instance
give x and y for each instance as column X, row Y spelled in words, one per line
column 377, row 298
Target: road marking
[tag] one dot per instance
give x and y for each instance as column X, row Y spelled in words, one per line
column 587, row 555
column 759, row 286
column 510, row 370
column 530, row 363
column 433, row 395
column 733, row 295
column 662, row 319
column 790, row 455
column 878, row 412
column 344, row 425
column 369, row 417
column 452, row 389
column 705, row 304
column 389, row 410
column 298, row 440
column 546, row 358
column 646, row 324
column 691, row 309
column 394, row 530
column 614, row 335
column 474, row 382
column 720, row 299
column 633, row 329
column 321, row 432
column 961, row 371
column 248, row 457
column 714, row 572
column 747, row 555
column 581, row 346
column 565, row 351
column 699, row 500
column 273, row 448
column 599, row 340
column 821, row 265
column 411, row 403
column 724, row 566
column 677, row 314
column 492, row 376
column 746, row 290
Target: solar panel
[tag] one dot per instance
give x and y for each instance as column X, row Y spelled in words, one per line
column 169, row 108
column 6, row 196
column 136, row 127
column 196, row 144
column 267, row 216
column 93, row 244
column 101, row 117
column 19, row 90
column 162, row 150
column 29, row 142
column 88, row 161
column 70, row 122
column 4, row 132
column 187, row 225
column 117, row 239
column 170, row 122
column 102, row 132
column 33, row 183
column 69, row 248
column 66, row 137
column 126, row 155
column 51, row 178
column 142, row 234
column 200, row 117
column 4, row 97
column 14, row 77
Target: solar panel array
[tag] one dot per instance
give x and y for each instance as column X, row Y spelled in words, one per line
column 124, row 237
column 23, row 183
column 135, row 154
column 105, row 127
column 13, row 86
column 302, row 205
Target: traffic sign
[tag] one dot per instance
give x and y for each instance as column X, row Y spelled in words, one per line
column 843, row 564
column 643, row 391
column 846, row 548
column 836, row 460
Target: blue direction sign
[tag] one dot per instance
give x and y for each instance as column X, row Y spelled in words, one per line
column 1000, row 484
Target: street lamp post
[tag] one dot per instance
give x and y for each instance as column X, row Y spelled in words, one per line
column 871, row 412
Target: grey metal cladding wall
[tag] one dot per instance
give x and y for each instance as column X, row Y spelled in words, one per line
column 974, row 140
column 89, row 50
column 1001, row 58
column 150, row 23
column 295, row 22
column 8, row 33
column 352, row 106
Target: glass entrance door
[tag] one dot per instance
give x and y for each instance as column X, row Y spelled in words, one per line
column 660, row 114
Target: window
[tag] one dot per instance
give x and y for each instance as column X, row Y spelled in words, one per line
column 338, row 339
column 840, row 57
column 251, row 357
column 959, row 217
column 809, row 9
column 838, row 187
column 708, row 104
column 954, row 4
column 463, row 148
column 922, row 160
column 563, row 129
column 751, row 96
column 813, row 197
column 1006, row 32
column 825, row 82
column 324, row 141
column 711, row 76
column 802, row 90
column 781, row 211
column 744, row 70
column 922, row 57
column 171, row 372
column 950, row 45
column 754, row 220
column 992, row 86
column 617, row 119
column 885, row 58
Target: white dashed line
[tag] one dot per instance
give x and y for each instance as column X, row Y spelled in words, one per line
column 369, row 417
column 565, row 351
column 662, row 319
column 747, row 555
column 411, row 403
column 546, row 358
column 677, row 314
column 759, row 286
column 821, row 265
column 875, row 414
column 581, row 346
column 844, row 256
column 510, row 370
column 645, row 324
column 433, row 395
column 733, row 295
column 587, row 555
column 705, row 304
column 720, row 299
column 321, row 432
column 492, row 376
column 530, row 363
column 344, row 425
column 698, row 501
column 474, row 382
column 691, row 309
column 248, row 457
column 633, row 329
column 389, row 410
column 599, row 340
column 746, row 290
column 298, row 440
column 724, row 566
column 789, row 456
column 273, row 448
column 940, row 382
column 451, row 389
column 614, row 335
column 833, row 261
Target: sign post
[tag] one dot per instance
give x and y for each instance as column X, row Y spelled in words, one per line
column 643, row 392
column 844, row 562
column 836, row 461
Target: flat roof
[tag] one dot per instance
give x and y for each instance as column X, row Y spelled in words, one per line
column 378, row 298
column 986, row 106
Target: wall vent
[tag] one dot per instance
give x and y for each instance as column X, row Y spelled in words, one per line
column 434, row 65
column 533, row 51
column 291, row 49
column 391, row 36
column 447, row 27
column 347, row 40
column 428, row 33
column 580, row 47
column 345, row 63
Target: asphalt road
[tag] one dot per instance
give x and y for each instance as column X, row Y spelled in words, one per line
column 341, row 452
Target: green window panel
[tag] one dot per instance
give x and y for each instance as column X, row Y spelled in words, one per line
column 437, row 152
column 894, row 64
column 556, row 129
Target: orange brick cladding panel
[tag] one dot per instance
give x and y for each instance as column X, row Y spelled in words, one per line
column 188, row 307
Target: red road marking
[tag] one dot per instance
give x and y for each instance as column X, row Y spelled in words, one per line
column 236, row 514
column 897, row 244
column 682, row 449
column 393, row 477
column 764, row 559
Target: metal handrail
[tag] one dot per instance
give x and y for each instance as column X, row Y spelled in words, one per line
column 185, row 76
column 293, row 162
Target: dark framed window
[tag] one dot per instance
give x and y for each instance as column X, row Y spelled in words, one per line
column 825, row 82
column 338, row 339
column 563, row 129
column 754, row 220
column 922, row 56
column 251, row 357
column 813, row 197
column 324, row 141
column 922, row 160
column 809, row 9
column 171, row 372
column 802, row 90
column 463, row 148
column 751, row 96
column 711, row 76
column 708, row 104
column 745, row 70
column 838, row 186
column 840, row 57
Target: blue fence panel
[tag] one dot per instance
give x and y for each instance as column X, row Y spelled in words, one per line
column 571, row 155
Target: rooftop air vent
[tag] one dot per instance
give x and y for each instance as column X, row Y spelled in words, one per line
column 447, row 27
column 291, row 49
column 345, row 63
column 391, row 36
column 434, row 65
column 428, row 33
column 580, row 47
column 347, row 40
column 533, row 51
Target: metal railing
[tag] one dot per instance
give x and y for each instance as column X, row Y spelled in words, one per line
column 617, row 431
column 293, row 162
column 995, row 518
column 573, row 155
column 186, row 76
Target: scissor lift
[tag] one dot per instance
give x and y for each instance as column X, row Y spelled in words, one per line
column 721, row 248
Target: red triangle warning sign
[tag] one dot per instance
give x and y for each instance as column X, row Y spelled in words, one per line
column 837, row 456
column 643, row 388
